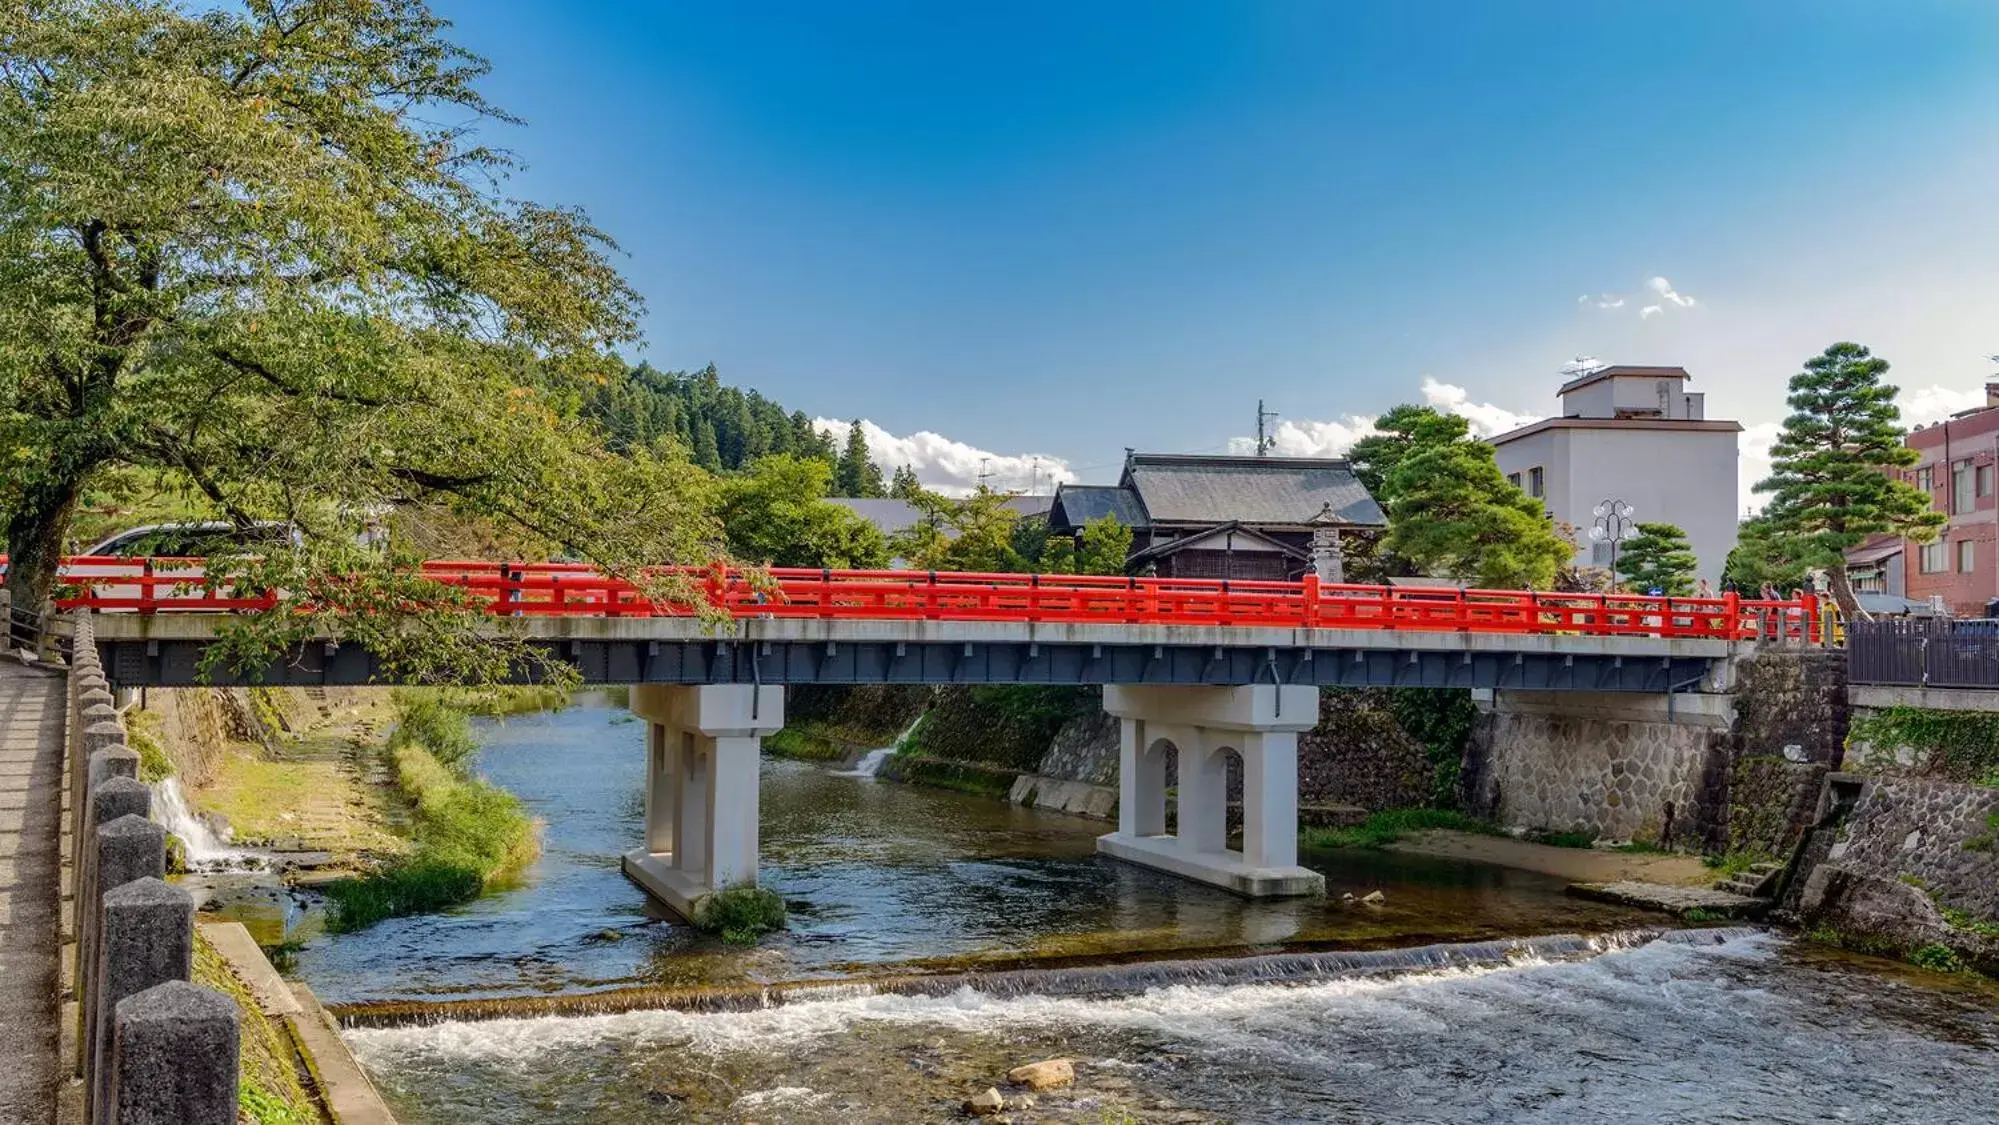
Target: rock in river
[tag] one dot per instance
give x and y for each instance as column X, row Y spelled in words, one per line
column 985, row 1104
column 1044, row 1075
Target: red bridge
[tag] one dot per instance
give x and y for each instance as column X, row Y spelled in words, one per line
column 794, row 625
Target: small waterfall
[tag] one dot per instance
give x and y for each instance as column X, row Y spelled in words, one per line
column 204, row 851
column 873, row 759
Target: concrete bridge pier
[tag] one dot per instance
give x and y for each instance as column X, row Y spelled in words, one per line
column 702, row 752
column 1203, row 726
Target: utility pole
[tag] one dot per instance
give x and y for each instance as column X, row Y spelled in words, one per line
column 1263, row 440
column 985, row 470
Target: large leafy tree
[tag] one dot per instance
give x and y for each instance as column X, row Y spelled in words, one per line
column 974, row 533
column 777, row 513
column 1832, row 476
column 1450, row 511
column 1658, row 558
column 259, row 250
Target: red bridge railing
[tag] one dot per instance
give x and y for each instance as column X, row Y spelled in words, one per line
column 150, row 586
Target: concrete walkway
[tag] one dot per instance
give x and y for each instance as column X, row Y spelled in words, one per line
column 31, row 729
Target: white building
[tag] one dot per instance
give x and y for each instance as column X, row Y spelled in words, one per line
column 1633, row 434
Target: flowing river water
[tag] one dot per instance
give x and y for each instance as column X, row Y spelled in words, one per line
column 1178, row 1003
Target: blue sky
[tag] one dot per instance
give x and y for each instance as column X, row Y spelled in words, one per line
column 1067, row 228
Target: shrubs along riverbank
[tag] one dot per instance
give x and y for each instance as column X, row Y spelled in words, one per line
column 466, row 834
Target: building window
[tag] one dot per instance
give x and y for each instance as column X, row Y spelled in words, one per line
column 1985, row 480
column 1960, row 487
column 1513, row 479
column 1926, row 479
column 1932, row 559
column 1967, row 557
column 1534, row 481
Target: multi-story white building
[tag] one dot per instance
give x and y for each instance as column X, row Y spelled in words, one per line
column 1633, row 434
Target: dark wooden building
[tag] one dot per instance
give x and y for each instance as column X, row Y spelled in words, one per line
column 1207, row 516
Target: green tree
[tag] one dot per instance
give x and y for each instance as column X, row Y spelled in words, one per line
column 1398, row 433
column 1763, row 557
column 1451, row 513
column 776, row 513
column 1106, row 543
column 1832, row 475
column 1657, row 558
column 904, row 485
column 972, row 534
column 259, row 249
column 857, row 474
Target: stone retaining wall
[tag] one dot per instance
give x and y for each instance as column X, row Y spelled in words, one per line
column 1943, row 835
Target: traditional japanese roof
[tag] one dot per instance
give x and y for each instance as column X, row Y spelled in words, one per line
column 1078, row 504
column 1227, row 530
column 1206, row 490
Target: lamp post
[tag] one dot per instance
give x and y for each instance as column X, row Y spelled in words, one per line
column 1613, row 526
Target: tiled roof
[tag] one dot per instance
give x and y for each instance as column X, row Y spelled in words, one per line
column 1082, row 503
column 1265, row 491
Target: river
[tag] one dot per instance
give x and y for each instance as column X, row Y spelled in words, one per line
column 1269, row 1012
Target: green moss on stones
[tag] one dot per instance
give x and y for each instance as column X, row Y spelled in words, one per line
column 1951, row 745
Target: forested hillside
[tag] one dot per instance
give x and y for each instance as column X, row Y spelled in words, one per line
column 723, row 428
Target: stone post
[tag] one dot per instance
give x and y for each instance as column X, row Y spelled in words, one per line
column 101, row 731
column 147, row 939
column 174, row 1058
column 127, row 849
column 95, row 771
column 1329, row 559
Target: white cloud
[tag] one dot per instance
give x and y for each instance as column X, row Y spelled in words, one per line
column 1920, row 407
column 1927, row 405
column 952, row 467
column 1334, row 438
column 1665, row 290
column 1657, row 288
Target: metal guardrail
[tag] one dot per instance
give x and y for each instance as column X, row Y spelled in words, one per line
column 1919, row 652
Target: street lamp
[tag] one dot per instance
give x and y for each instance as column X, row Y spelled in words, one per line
column 1613, row 526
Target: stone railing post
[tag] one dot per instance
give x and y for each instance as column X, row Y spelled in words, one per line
column 101, row 767
column 146, row 939
column 101, row 730
column 174, row 1058
column 124, row 851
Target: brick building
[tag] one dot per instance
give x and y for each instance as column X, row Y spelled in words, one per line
column 1960, row 459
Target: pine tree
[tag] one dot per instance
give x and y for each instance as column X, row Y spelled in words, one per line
column 1450, row 511
column 857, row 474
column 1658, row 558
column 1832, row 469
column 904, row 485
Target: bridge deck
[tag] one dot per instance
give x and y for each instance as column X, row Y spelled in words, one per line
column 165, row 650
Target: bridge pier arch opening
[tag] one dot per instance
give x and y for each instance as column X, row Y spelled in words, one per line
column 1207, row 726
column 703, row 749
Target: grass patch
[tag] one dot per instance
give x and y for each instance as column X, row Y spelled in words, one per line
column 1963, row 922
column 1701, row 914
column 467, row 834
column 1383, row 828
column 1936, row 958
column 1641, row 847
column 269, row 1091
column 1734, row 863
column 740, row 914
column 146, row 736
column 964, row 777
column 426, row 719
column 1563, row 839
column 803, row 743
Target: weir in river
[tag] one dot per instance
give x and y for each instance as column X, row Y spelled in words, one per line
column 571, row 997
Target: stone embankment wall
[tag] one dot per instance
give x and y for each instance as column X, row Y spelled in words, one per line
column 1055, row 748
column 1734, row 770
column 1905, row 866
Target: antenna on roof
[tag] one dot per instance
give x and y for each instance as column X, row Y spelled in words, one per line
column 1582, row 365
column 1263, row 442
column 985, row 470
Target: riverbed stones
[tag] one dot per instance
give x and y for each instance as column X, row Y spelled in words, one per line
column 1047, row 1074
column 1374, row 898
column 985, row 1103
